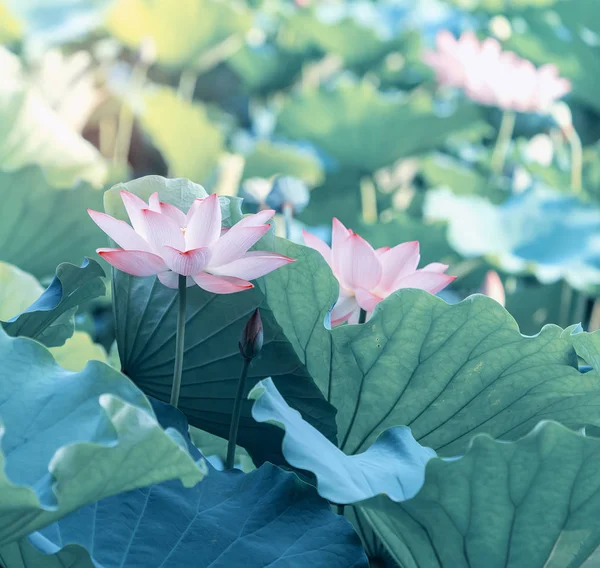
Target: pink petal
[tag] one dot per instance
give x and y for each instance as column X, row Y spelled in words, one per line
column 492, row 287
column 204, row 225
column 235, row 242
column 339, row 235
column 435, row 267
column 317, row 244
column 162, row 231
column 257, row 219
column 221, row 284
column 188, row 262
column 134, row 206
column 358, row 264
column 135, row 262
column 119, row 231
column 433, row 282
column 366, row 300
column 171, row 280
column 154, row 203
column 343, row 309
column 176, row 214
column 397, row 263
column 252, row 265
column 381, row 250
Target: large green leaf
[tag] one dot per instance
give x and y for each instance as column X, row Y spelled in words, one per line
column 190, row 143
column 394, row 465
column 41, row 226
column 22, row 554
column 18, row 290
column 146, row 319
column 363, row 128
column 526, row 504
column 50, row 319
column 181, row 34
column 445, row 371
column 69, row 439
column 33, row 133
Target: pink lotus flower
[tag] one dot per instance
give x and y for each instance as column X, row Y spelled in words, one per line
column 167, row 242
column 367, row 276
column 493, row 287
column 490, row 76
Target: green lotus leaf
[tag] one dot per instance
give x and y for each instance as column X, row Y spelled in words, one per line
column 22, row 554
column 29, row 206
column 394, row 465
column 50, row 319
column 180, row 35
column 78, row 438
column 18, row 290
column 11, row 28
column 34, row 134
column 446, row 371
column 533, row 502
column 190, row 143
column 359, row 126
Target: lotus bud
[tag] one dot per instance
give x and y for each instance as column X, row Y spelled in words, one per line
column 251, row 340
column 492, row 287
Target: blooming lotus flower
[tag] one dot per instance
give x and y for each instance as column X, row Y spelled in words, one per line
column 166, row 242
column 494, row 77
column 367, row 276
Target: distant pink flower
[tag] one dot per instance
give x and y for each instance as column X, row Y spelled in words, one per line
column 492, row 287
column 490, row 76
column 167, row 242
column 367, row 276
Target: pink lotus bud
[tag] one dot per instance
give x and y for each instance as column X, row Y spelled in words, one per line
column 251, row 340
column 492, row 287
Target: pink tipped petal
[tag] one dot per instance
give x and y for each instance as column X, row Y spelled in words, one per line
column 154, row 202
column 204, row 225
column 366, row 300
column 176, row 214
column 381, row 250
column 134, row 262
column 257, row 219
column 317, row 244
column 134, row 206
column 221, row 284
column 171, row 280
column 432, row 282
column 492, row 287
column 252, row 265
column 358, row 264
column 186, row 263
column 163, row 231
column 235, row 242
column 343, row 309
column 397, row 263
column 435, row 267
column 119, row 231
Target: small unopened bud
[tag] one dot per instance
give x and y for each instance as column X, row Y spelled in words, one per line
column 251, row 340
column 561, row 114
column 492, row 287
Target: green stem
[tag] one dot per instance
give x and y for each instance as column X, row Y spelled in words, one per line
column 235, row 415
column 576, row 159
column 288, row 216
column 566, row 299
column 503, row 141
column 368, row 198
column 362, row 318
column 179, row 342
column 187, row 84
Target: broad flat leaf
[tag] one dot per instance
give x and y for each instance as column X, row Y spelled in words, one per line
column 394, row 465
column 33, row 133
column 445, row 371
column 550, row 234
column 18, row 290
column 22, row 554
column 264, row 518
column 145, row 321
column 68, row 439
column 41, row 226
column 77, row 351
column 190, row 143
column 214, row 448
column 50, row 319
column 179, row 35
column 359, row 126
column 525, row 504
column 268, row 159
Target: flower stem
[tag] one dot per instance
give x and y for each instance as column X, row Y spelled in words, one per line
column 288, row 216
column 340, row 509
column 503, row 141
column 576, row 159
column 235, row 415
column 368, row 197
column 362, row 318
column 179, row 342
